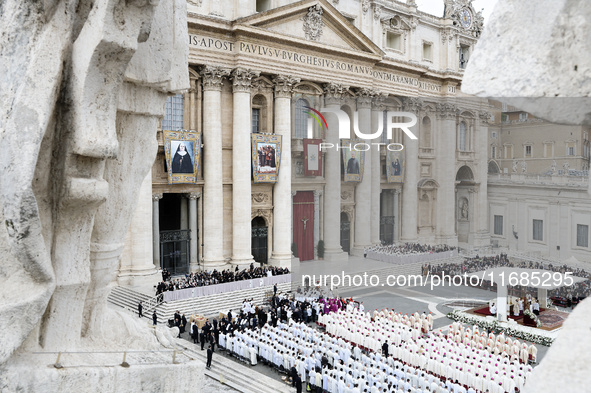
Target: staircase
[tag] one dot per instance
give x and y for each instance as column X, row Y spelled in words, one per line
column 233, row 374
column 210, row 306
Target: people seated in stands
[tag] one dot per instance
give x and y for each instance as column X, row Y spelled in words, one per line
column 200, row 279
column 409, row 248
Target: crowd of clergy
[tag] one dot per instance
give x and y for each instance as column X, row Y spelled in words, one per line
column 388, row 352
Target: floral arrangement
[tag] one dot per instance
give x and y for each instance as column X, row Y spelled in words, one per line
column 533, row 316
column 496, row 327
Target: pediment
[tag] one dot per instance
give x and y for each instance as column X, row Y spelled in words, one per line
column 314, row 21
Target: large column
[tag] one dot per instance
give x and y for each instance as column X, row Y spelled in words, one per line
column 282, row 206
column 317, row 194
column 444, row 133
column 409, row 188
column 156, row 230
column 241, row 163
column 481, row 151
column 396, row 214
column 376, row 169
column 363, row 190
column 184, row 213
column 213, row 209
column 193, row 250
column 332, row 174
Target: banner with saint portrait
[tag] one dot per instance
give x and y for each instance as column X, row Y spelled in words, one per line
column 182, row 149
column 266, row 157
column 353, row 159
column 312, row 157
column 395, row 166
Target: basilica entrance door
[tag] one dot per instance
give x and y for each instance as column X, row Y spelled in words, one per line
column 259, row 238
column 174, row 251
column 303, row 224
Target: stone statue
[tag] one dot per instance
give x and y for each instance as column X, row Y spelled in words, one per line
column 85, row 86
column 554, row 167
column 514, row 167
column 464, row 210
column 565, row 168
column 523, row 167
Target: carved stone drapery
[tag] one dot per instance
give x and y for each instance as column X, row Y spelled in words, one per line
column 242, row 78
column 377, row 11
column 412, row 104
column 213, row 77
column 313, row 23
column 485, row 117
column 267, row 214
column 365, row 5
column 284, row 85
column 345, row 195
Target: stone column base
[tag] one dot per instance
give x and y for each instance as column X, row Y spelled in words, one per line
column 450, row 240
column 139, row 278
column 336, row 256
column 242, row 262
column 281, row 262
column 358, row 251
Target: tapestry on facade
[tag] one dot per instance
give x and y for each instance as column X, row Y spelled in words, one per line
column 312, row 157
column 266, row 157
column 353, row 160
column 182, row 149
column 395, row 166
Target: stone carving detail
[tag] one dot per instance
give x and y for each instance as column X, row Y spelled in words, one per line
column 213, row 77
column 194, row 195
column 313, row 23
column 267, row 214
column 412, row 104
column 260, row 197
column 452, row 11
column 333, row 93
column 485, row 116
column 365, row 96
column 64, row 216
column 377, row 11
column 349, row 209
column 345, row 195
column 365, row 5
column 378, row 100
column 195, row 2
column 241, row 79
column 446, row 110
column 156, row 197
column 284, row 85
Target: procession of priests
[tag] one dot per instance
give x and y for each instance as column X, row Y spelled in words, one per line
column 388, row 352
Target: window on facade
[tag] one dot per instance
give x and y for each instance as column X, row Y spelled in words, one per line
column 393, row 40
column 582, row 235
column 493, row 152
column 493, row 135
column 256, row 117
column 498, row 230
column 173, row 113
column 427, row 51
column 508, row 151
column 504, row 118
column 548, row 150
column 263, row 5
column 464, row 54
column 570, row 150
column 462, row 141
column 538, row 233
column 523, row 116
column 301, row 119
column 528, row 151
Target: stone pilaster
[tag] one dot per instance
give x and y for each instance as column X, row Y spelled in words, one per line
column 241, row 157
column 317, row 194
column 213, row 196
column 363, row 191
column 482, row 237
column 333, row 95
column 282, row 206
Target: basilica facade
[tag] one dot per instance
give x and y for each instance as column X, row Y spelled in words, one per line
column 254, row 67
